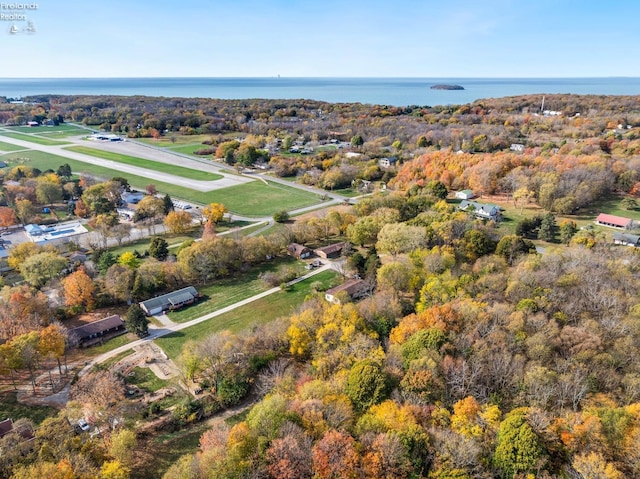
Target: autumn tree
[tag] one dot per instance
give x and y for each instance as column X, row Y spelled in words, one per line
column 214, row 212
column 24, row 210
column 122, row 445
column 178, row 222
column 129, row 259
column 335, row 456
column 7, row 217
column 48, row 191
column 118, row 282
column 42, row 267
column 52, row 342
column 79, row 290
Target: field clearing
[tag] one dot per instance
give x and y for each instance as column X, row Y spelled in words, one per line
column 227, row 291
column 148, row 164
column 189, row 149
column 260, row 199
column 39, row 129
column 9, row 147
column 11, row 408
column 34, row 139
column 261, row 311
column 64, row 133
column 166, row 141
column 250, row 199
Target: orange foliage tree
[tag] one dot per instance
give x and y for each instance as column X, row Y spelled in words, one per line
column 79, row 290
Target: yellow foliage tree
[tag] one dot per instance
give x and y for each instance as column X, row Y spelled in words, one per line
column 214, row 212
column 178, row 222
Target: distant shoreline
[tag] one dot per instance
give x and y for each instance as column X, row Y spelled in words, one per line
column 374, row 91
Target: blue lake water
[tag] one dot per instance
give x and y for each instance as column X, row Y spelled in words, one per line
column 383, row 91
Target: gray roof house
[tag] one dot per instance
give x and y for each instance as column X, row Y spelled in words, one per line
column 626, row 239
column 170, row 301
column 485, row 211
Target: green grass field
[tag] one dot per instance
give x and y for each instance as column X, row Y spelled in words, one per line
column 146, row 380
column 11, row 408
column 9, row 147
column 34, row 139
column 188, row 149
column 228, row 291
column 250, row 199
column 260, row 199
column 258, row 312
column 149, row 164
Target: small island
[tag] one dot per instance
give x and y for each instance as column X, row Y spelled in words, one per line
column 447, row 87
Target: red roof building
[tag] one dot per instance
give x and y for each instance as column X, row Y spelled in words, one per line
column 614, row 221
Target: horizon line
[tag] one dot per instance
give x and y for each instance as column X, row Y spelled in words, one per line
column 312, row 77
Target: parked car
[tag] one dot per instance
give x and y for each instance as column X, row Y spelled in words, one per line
column 84, row 425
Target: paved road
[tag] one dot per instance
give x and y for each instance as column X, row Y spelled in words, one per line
column 158, row 332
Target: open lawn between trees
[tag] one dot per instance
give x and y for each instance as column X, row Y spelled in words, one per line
column 257, row 312
column 227, row 291
column 148, row 164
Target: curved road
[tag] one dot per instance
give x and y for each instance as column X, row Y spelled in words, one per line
column 158, row 332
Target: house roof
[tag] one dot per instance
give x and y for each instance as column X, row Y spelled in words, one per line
column 175, row 297
column 629, row 238
column 613, row 220
column 96, row 327
column 332, row 248
column 350, row 286
column 296, row 248
column 486, row 208
column 466, row 192
column 6, row 426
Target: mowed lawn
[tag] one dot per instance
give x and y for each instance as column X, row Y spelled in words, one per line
column 9, row 147
column 249, row 199
column 148, row 164
column 260, row 199
column 257, row 312
column 227, row 291
column 59, row 131
column 34, row 139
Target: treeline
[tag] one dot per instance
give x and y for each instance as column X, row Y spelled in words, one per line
column 482, row 126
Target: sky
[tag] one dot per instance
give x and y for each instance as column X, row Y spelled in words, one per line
column 320, row 38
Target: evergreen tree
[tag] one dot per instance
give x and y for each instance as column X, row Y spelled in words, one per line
column 567, row 230
column 136, row 322
column 168, row 204
column 548, row 228
column 159, row 248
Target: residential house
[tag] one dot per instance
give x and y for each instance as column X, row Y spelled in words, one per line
column 331, row 251
column 626, row 239
column 132, row 197
column 387, row 162
column 97, row 331
column 464, row 195
column 519, row 147
column 486, row 211
column 613, row 221
column 353, row 288
column 170, row 301
column 298, row 251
